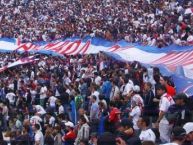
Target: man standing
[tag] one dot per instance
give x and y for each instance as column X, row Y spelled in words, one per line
column 94, row 110
column 164, row 80
column 106, row 88
column 178, row 114
column 43, row 95
column 11, row 97
column 94, row 114
column 148, row 96
column 146, row 133
column 39, row 138
column 165, row 102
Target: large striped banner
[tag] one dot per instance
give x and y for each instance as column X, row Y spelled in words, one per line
column 170, row 57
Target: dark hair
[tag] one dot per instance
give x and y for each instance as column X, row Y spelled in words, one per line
column 85, row 142
column 83, row 119
column 148, row 143
column 112, row 104
column 101, row 97
column 161, row 87
column 94, row 97
column 37, row 126
column 126, row 80
column 146, row 120
column 149, row 84
column 169, row 80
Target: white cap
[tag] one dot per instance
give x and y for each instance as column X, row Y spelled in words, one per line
column 136, row 88
column 69, row 124
column 188, row 127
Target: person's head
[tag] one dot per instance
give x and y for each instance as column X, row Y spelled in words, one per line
column 57, row 129
column 36, row 127
column 111, row 104
column 25, row 130
column 161, row 89
column 178, row 134
column 59, row 103
column 148, row 143
column 180, row 99
column 147, row 86
column 81, row 111
column 189, row 131
column 82, row 120
column 48, row 115
column 69, row 126
column 93, row 137
column 125, row 125
column 94, row 87
column 83, row 142
column 96, row 74
column 93, row 98
column 48, row 132
column 101, row 97
column 143, row 122
column 101, row 105
column 163, row 80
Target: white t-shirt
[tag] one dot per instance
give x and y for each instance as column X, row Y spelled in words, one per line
column 52, row 120
column 52, row 100
column 190, row 38
column 147, row 135
column 135, row 114
column 11, row 97
column 35, row 120
column 138, row 99
column 114, row 92
column 39, row 137
column 33, row 94
column 165, row 102
column 101, row 65
column 98, row 80
column 61, row 109
column 128, row 88
column 67, row 80
column 40, row 109
column 32, row 75
column 43, row 92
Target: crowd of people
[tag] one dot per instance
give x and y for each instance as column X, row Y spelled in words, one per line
column 93, row 99
column 149, row 22
column 90, row 100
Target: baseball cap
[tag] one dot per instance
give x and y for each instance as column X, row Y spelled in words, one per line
column 188, row 127
column 178, row 132
column 180, row 96
column 69, row 124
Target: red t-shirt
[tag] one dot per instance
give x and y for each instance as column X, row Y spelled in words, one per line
column 113, row 117
column 71, row 135
column 170, row 90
